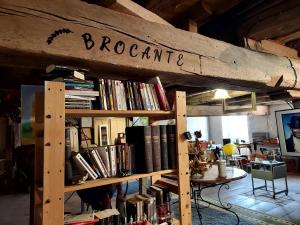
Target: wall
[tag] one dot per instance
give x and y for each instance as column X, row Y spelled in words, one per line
column 272, row 120
column 215, row 129
column 257, row 124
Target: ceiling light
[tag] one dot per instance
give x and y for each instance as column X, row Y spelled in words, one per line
column 221, row 94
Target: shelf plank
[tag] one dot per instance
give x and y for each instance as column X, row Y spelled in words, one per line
column 117, row 113
column 106, row 181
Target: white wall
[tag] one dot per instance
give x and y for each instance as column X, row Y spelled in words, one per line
column 257, row 124
column 272, row 120
column 196, row 124
column 215, row 129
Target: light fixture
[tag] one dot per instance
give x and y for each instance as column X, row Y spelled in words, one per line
column 221, row 94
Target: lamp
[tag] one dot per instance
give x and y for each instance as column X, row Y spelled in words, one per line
column 229, row 149
column 221, row 94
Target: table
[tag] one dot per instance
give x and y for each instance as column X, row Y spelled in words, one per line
column 269, row 170
column 212, row 179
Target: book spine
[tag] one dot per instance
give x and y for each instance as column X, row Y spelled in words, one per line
column 131, row 95
column 127, row 94
column 161, row 95
column 104, row 95
column 113, row 160
column 148, row 149
column 164, row 147
column 85, row 166
column 106, row 85
column 156, row 154
column 114, row 94
column 154, row 97
column 171, row 139
column 110, row 91
column 99, row 163
column 137, row 96
column 151, row 102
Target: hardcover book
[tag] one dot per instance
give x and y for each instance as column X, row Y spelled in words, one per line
column 140, row 137
column 156, row 152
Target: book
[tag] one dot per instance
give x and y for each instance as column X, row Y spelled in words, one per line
column 83, row 166
column 164, row 147
column 112, row 159
column 99, row 163
column 156, row 151
column 171, row 142
column 81, row 93
column 161, row 95
column 104, row 155
column 140, row 138
column 134, row 209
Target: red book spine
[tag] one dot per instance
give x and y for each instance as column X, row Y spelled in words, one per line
column 161, row 96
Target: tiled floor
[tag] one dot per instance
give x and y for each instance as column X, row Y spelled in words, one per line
column 14, row 209
column 285, row 207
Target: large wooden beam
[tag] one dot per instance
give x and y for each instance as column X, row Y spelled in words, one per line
column 272, row 47
column 37, row 32
column 131, row 8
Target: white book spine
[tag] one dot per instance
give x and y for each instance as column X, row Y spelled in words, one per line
column 112, row 160
column 105, row 172
column 99, row 163
column 151, row 101
column 86, row 166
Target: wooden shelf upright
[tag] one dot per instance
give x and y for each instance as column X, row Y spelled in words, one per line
column 49, row 173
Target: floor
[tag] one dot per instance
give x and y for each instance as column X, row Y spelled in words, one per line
column 14, row 208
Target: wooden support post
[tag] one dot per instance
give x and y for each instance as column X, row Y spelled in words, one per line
column 54, row 147
column 182, row 161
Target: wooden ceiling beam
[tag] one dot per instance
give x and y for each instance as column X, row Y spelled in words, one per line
column 131, row 8
column 34, row 31
column 269, row 46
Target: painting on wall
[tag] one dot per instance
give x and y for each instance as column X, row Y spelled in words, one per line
column 27, row 112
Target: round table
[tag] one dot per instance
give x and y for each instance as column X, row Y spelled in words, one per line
column 212, row 179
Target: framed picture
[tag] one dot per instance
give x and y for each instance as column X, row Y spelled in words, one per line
column 103, row 135
column 288, row 126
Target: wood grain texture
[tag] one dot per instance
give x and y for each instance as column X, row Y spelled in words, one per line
column 182, row 160
column 131, row 8
column 272, row 47
column 54, row 154
column 113, row 180
column 26, row 25
column 115, row 113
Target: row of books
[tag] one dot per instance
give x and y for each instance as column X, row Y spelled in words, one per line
column 99, row 162
column 107, row 94
column 130, row 95
column 155, row 145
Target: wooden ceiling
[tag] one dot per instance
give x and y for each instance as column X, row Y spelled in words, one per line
column 232, row 21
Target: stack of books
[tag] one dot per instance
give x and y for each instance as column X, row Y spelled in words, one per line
column 79, row 93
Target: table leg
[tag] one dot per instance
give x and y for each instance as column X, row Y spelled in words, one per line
column 221, row 205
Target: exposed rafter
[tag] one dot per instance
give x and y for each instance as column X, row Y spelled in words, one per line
column 36, row 32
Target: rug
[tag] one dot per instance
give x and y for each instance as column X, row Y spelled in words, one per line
column 215, row 216
column 267, row 196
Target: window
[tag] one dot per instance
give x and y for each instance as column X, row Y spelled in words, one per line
column 196, row 124
column 235, row 128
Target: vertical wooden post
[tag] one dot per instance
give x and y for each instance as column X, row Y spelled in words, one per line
column 182, row 161
column 54, row 156
column 35, row 216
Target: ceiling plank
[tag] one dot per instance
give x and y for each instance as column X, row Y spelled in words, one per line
column 289, row 37
column 204, row 110
column 103, row 38
column 131, row 8
column 269, row 46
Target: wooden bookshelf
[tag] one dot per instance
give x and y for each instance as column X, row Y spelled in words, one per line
column 49, row 184
column 113, row 180
column 118, row 113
